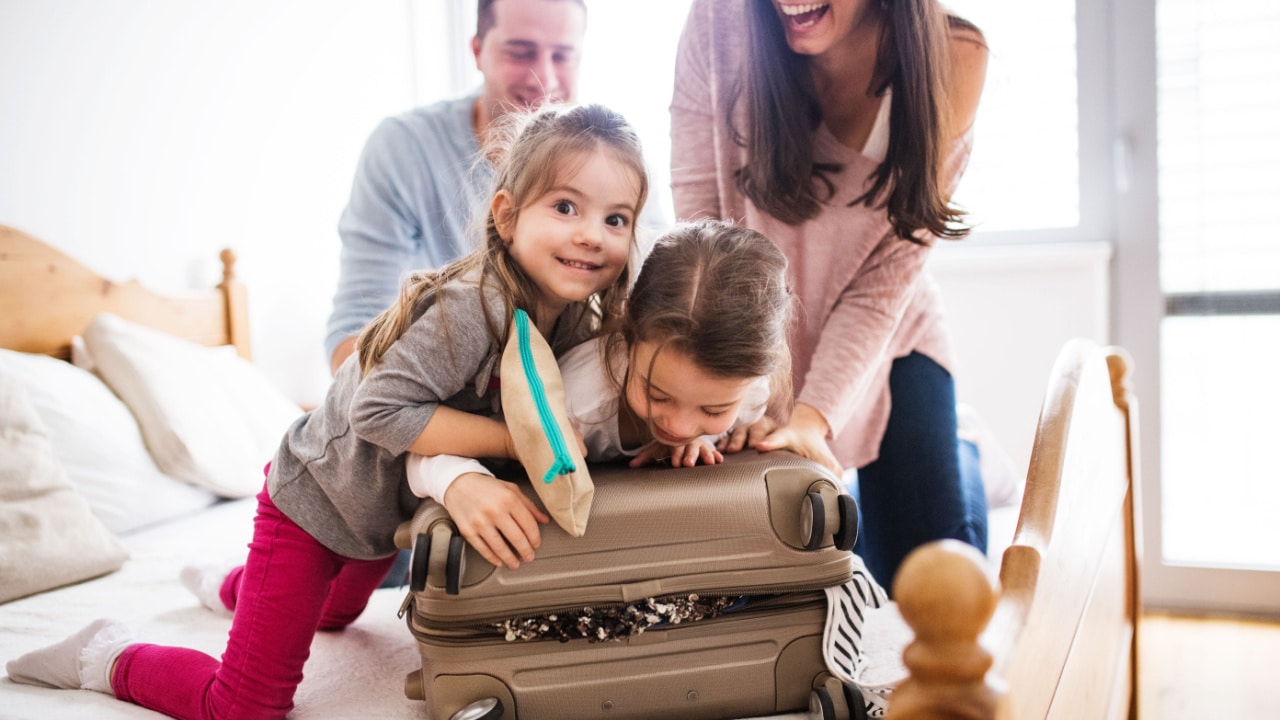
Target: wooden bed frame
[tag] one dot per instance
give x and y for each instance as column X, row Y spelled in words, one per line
column 1061, row 639
column 1054, row 638
column 48, row 297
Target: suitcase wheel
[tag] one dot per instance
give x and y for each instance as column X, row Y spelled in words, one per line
column 453, row 570
column 486, row 709
column 821, row 705
column 418, row 562
column 813, row 515
column 856, row 702
column 847, row 536
column 835, row 700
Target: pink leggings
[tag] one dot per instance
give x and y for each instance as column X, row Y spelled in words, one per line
column 289, row 587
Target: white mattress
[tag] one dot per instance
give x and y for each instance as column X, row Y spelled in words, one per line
column 357, row 673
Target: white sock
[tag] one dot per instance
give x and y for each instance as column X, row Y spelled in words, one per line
column 205, row 582
column 83, row 660
column 842, row 636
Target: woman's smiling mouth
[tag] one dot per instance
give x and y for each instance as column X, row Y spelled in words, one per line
column 804, row 16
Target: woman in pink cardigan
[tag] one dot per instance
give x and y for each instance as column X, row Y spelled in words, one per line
column 839, row 129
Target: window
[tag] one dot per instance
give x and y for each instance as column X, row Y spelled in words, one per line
column 1024, row 173
column 1218, row 70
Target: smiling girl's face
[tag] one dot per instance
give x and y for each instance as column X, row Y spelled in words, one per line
column 680, row 401
column 575, row 238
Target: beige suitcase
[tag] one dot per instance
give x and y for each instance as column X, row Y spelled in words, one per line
column 767, row 532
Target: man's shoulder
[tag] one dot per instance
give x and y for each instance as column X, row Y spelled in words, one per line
column 453, row 114
column 444, row 125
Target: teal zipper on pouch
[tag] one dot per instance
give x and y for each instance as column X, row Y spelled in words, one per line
column 563, row 463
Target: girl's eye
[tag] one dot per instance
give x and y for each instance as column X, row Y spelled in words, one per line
column 657, row 401
column 714, row 413
column 564, row 207
column 618, row 221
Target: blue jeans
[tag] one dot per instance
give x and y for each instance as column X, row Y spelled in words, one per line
column 925, row 485
column 398, row 575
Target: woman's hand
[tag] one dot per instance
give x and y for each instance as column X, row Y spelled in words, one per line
column 681, row 455
column 805, row 435
column 747, row 435
column 495, row 518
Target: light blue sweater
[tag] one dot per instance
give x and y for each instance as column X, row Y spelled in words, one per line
column 418, row 185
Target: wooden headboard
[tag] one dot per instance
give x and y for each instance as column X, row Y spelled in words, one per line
column 46, row 297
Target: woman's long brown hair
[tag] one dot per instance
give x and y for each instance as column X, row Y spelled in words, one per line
column 782, row 113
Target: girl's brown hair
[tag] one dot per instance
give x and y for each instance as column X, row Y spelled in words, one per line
column 537, row 150
column 782, row 113
column 717, row 293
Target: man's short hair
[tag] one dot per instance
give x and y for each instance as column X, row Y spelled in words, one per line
column 484, row 16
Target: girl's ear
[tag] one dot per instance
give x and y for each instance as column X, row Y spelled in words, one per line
column 503, row 210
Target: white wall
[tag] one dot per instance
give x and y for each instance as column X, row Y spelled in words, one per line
column 1011, row 308
column 141, row 136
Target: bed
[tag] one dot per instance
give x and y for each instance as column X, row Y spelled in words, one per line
column 1045, row 629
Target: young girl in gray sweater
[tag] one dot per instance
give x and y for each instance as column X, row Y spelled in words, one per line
column 559, row 241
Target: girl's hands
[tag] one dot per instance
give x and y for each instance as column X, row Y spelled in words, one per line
column 805, row 435
column 681, row 455
column 495, row 518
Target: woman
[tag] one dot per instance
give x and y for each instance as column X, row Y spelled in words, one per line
column 839, row 130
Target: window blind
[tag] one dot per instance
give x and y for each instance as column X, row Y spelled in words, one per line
column 1218, row 79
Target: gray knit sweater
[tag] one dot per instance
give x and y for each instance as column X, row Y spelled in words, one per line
column 340, row 471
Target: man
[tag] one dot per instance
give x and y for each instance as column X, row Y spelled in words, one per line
column 421, row 177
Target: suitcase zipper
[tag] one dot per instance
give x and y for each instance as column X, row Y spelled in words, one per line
column 442, row 612
column 471, row 631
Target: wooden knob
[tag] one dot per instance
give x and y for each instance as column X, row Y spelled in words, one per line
column 945, row 594
column 228, row 257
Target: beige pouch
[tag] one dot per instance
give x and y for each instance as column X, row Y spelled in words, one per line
column 533, row 404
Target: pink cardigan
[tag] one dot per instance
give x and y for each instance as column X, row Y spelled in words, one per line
column 864, row 297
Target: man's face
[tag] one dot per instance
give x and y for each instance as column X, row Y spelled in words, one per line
column 530, row 56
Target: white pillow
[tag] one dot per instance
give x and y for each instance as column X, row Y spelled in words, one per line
column 97, row 442
column 209, row 417
column 48, row 535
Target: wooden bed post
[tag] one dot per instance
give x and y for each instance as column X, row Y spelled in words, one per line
column 237, row 302
column 946, row 596
column 1119, row 363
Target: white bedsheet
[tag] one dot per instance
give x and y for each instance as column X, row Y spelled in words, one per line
column 355, row 674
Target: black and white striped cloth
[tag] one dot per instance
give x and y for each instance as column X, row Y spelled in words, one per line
column 847, row 607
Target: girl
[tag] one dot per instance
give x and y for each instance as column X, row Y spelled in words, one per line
column 702, row 350
column 839, row 129
column 558, row 240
